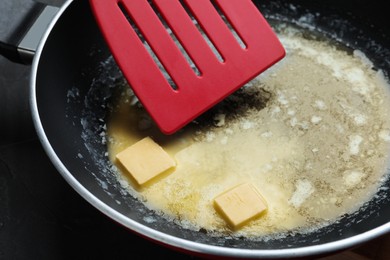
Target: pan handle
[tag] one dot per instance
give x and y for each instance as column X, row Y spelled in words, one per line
column 22, row 25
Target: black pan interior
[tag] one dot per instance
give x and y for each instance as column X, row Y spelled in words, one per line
column 74, row 104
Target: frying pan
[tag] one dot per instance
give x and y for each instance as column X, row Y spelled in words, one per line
column 74, row 83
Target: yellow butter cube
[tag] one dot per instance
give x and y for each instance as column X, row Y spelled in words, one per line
column 145, row 160
column 240, row 205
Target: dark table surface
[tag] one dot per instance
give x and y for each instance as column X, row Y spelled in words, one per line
column 42, row 217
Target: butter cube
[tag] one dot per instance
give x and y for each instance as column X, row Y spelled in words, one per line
column 145, row 160
column 240, row 205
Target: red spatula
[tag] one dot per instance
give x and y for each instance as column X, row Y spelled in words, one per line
column 183, row 57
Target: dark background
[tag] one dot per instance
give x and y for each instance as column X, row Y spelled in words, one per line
column 41, row 216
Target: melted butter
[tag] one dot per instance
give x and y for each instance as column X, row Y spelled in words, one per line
column 315, row 148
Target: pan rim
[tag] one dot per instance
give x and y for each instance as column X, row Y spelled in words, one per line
column 158, row 236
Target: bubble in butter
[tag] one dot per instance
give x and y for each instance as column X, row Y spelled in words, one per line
column 311, row 133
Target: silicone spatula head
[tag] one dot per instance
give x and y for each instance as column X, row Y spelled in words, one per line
column 183, row 57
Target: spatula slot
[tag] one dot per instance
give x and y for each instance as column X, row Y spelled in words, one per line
column 192, row 64
column 239, row 39
column 147, row 46
column 202, row 32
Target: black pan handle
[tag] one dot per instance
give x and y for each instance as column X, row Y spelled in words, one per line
column 22, row 25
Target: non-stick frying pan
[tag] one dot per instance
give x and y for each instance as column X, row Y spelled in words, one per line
column 73, row 84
